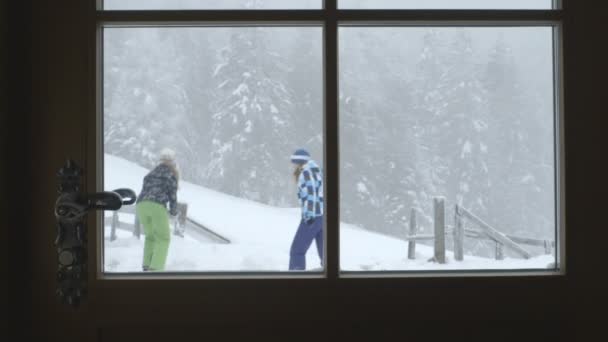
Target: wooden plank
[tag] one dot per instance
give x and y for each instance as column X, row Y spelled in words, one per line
column 411, row 245
column 529, row 241
column 439, row 228
column 500, row 253
column 458, row 236
column 494, row 234
column 201, row 235
column 421, row 237
column 182, row 213
column 137, row 228
column 115, row 224
column 182, row 209
column 475, row 234
column 548, row 247
column 472, row 233
column 210, row 232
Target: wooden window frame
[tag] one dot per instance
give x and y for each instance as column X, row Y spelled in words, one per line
column 330, row 18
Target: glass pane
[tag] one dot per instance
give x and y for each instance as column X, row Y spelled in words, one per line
column 232, row 104
column 457, row 116
column 210, row 4
column 446, row 4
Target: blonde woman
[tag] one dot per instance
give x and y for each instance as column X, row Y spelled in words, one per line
column 309, row 177
column 159, row 189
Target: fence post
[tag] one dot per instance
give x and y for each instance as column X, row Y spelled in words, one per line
column 115, row 224
column 183, row 214
column 439, row 211
column 411, row 245
column 547, row 247
column 500, row 255
column 136, row 228
column 180, row 221
column 458, row 235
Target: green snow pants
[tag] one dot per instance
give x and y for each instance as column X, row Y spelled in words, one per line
column 153, row 216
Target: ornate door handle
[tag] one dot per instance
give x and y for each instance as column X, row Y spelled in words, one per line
column 71, row 208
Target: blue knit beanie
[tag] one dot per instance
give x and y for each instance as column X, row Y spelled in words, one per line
column 300, row 156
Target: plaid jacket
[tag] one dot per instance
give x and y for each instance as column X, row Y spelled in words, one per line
column 310, row 190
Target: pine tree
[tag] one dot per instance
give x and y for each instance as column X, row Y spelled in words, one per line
column 520, row 166
column 198, row 61
column 252, row 121
column 360, row 127
column 305, row 79
column 430, row 111
column 375, row 130
column 465, row 128
column 451, row 148
column 142, row 96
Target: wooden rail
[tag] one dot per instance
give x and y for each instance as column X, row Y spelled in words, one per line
column 217, row 237
column 493, row 233
column 459, row 232
column 183, row 221
column 547, row 244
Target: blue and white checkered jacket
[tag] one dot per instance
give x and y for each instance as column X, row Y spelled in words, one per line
column 310, row 190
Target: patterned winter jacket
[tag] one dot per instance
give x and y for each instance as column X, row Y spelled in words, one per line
column 310, row 190
column 160, row 186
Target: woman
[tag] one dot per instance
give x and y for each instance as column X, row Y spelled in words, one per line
column 160, row 187
column 309, row 178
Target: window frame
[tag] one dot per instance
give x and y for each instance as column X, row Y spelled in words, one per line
column 330, row 18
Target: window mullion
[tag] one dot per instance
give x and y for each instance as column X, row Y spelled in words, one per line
column 188, row 16
column 449, row 15
column 332, row 161
column 184, row 17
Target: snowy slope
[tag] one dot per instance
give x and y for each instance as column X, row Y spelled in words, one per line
column 261, row 236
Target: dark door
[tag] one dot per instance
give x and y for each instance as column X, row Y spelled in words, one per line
column 61, row 124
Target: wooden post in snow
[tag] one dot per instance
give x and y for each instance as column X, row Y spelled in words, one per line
column 182, row 210
column 548, row 249
column 180, row 221
column 458, row 235
column 439, row 211
column 115, row 224
column 136, row 228
column 411, row 245
column 500, row 254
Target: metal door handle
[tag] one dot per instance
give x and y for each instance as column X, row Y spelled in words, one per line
column 71, row 208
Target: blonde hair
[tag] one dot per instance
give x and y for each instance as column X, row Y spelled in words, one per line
column 173, row 166
column 297, row 172
column 167, row 154
column 167, row 157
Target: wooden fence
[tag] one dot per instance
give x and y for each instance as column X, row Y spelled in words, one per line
column 459, row 232
column 180, row 223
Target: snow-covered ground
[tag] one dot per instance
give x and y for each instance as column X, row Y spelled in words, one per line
column 261, row 236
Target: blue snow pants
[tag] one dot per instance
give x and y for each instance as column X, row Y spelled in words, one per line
column 302, row 240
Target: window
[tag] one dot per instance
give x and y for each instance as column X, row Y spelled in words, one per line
column 437, row 135
column 461, row 114
column 233, row 103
